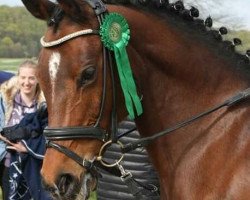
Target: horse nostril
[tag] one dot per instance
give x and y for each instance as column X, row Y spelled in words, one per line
column 67, row 185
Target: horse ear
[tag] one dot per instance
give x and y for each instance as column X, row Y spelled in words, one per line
column 41, row 9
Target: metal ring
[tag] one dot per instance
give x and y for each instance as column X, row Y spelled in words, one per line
column 103, row 162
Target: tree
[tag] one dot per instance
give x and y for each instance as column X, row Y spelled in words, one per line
column 20, row 32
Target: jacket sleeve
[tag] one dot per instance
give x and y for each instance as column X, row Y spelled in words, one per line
column 2, row 113
column 2, row 122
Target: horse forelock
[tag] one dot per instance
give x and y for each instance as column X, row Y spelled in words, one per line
column 56, row 17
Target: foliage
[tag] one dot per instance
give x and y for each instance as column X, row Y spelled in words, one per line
column 93, row 196
column 20, row 33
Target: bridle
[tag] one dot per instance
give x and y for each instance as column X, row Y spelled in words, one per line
column 94, row 132
column 139, row 190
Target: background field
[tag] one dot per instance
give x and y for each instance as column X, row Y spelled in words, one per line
column 10, row 64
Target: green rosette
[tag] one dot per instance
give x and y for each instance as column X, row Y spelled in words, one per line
column 115, row 35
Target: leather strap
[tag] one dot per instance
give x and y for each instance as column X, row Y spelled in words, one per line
column 98, row 6
column 145, row 141
column 75, row 132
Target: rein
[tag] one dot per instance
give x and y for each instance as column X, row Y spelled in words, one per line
column 146, row 140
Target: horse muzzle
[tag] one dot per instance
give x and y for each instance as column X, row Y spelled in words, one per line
column 68, row 187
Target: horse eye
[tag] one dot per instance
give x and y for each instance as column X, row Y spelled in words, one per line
column 87, row 75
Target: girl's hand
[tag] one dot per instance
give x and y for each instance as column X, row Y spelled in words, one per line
column 19, row 147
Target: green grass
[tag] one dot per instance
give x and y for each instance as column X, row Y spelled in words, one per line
column 10, row 64
column 92, row 195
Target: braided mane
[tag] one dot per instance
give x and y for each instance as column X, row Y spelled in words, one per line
column 188, row 22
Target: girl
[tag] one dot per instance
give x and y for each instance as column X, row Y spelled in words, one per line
column 19, row 96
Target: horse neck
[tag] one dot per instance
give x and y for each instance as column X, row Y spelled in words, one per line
column 173, row 71
column 176, row 76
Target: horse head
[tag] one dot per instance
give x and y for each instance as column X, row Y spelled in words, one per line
column 71, row 73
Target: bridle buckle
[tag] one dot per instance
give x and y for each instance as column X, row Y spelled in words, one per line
column 103, row 148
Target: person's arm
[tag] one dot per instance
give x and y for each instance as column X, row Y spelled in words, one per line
column 19, row 147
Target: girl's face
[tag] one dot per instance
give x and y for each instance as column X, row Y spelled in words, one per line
column 27, row 80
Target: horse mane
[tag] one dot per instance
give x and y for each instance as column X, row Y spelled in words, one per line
column 187, row 21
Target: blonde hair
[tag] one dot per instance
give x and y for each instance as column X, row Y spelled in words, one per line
column 27, row 64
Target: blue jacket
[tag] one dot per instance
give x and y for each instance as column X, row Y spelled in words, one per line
column 4, row 76
column 25, row 168
column 29, row 164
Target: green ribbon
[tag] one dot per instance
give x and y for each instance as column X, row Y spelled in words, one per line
column 115, row 35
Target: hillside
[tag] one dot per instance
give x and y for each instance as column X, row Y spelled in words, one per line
column 19, row 33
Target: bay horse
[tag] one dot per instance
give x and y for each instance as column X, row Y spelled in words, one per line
column 181, row 67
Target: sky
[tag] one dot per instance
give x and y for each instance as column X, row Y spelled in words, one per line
column 11, row 2
column 230, row 13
